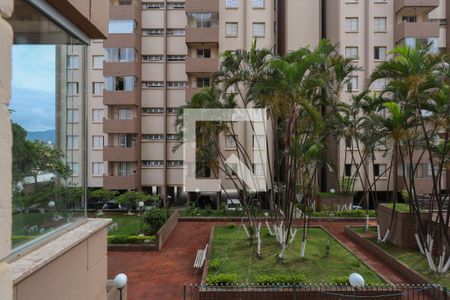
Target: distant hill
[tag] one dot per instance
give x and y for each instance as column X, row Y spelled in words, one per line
column 44, row 136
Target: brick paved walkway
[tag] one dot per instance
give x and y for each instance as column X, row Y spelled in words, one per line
column 161, row 275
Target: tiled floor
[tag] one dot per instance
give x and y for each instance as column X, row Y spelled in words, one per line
column 161, row 275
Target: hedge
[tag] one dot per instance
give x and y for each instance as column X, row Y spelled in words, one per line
column 130, row 239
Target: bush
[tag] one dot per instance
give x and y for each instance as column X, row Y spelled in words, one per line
column 215, row 264
column 340, row 280
column 221, row 279
column 357, row 213
column 231, row 225
column 129, row 239
column 155, row 218
column 280, row 278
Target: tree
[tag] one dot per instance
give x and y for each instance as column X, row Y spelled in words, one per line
column 22, row 160
column 132, row 198
column 102, row 195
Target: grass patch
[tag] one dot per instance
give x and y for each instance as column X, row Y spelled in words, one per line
column 237, row 256
column 357, row 213
column 410, row 257
column 126, row 224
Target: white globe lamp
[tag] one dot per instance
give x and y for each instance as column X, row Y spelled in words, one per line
column 356, row 281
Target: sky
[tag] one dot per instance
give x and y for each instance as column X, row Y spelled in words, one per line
column 33, row 86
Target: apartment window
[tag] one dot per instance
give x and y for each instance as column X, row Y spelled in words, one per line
column 353, row 84
column 121, row 26
column 74, row 167
column 177, row 84
column 152, row 84
column 120, row 54
column 152, row 163
column 73, row 62
column 175, row 163
column 97, row 141
column 153, row 58
column 172, row 110
column 73, row 116
column 97, row 88
column 379, row 53
column 153, row 5
column 98, row 168
column 351, row 52
column 72, row 88
column 231, row 29
column 203, row 82
column 203, row 20
column 120, row 83
column 203, row 53
column 230, row 141
column 153, row 31
column 259, row 142
column 379, row 84
column 351, row 24
column 125, row 114
column 125, row 168
column 379, row 170
column 175, row 5
column 380, row 24
column 73, row 142
column 125, row 140
column 258, row 169
column 348, row 170
column 259, row 29
column 231, row 3
column 97, row 61
column 258, row 3
column 152, row 137
column 98, row 114
column 171, row 137
column 153, row 110
column 409, row 19
column 176, row 32
column 176, row 57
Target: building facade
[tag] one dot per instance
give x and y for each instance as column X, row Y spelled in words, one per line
column 159, row 53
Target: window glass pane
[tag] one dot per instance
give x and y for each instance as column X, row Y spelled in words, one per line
column 380, row 24
column 259, row 29
column 97, row 61
column 231, row 3
column 47, row 99
column 231, row 29
column 258, row 3
column 121, row 26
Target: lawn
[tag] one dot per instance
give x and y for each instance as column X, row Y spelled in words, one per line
column 410, row 257
column 127, row 224
column 232, row 248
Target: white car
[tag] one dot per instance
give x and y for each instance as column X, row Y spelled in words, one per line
column 233, row 204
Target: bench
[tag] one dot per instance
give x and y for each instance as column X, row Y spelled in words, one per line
column 200, row 258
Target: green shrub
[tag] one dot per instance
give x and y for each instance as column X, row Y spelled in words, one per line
column 340, row 280
column 357, row 213
column 215, row 264
column 221, row 279
column 129, row 239
column 231, row 225
column 280, row 278
column 155, row 218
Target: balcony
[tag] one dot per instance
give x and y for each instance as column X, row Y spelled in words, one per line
column 190, row 92
column 202, row 65
column 122, row 41
column 121, row 69
column 202, row 6
column 425, row 5
column 120, row 154
column 124, row 10
column 420, row 30
column 120, row 98
column 202, row 35
column 121, row 182
column 121, row 126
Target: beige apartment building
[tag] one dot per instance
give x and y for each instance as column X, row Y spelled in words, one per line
column 159, row 53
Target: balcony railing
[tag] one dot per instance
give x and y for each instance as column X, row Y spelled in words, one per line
column 113, row 153
column 420, row 30
column 426, row 5
column 202, row 6
column 120, row 97
column 121, row 182
column 121, row 126
column 202, row 35
column 201, row 65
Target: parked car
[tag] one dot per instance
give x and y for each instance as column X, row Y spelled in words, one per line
column 204, row 200
column 233, row 205
column 112, row 204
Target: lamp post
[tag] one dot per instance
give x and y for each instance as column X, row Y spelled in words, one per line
column 141, row 206
column 356, row 281
column 120, row 281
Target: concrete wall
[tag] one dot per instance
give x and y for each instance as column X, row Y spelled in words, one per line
column 6, row 38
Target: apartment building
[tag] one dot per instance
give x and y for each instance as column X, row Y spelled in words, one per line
column 159, row 53
column 366, row 31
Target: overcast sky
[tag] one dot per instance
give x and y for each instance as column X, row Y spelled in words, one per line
column 33, row 86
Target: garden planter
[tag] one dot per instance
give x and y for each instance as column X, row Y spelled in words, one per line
column 403, row 227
